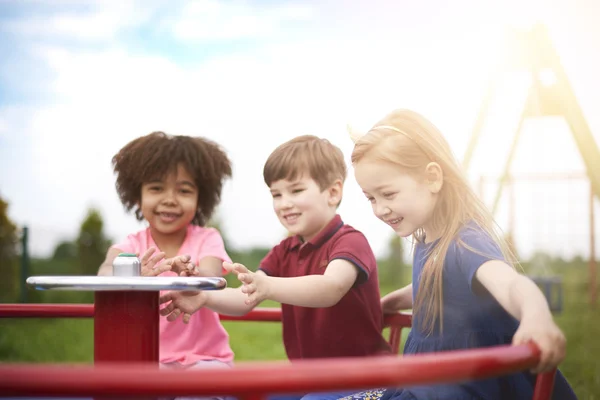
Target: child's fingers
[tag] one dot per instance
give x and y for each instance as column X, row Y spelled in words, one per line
column 160, row 269
column 249, row 289
column 186, row 318
column 167, row 310
column 251, row 300
column 227, row 266
column 151, row 263
column 240, row 268
column 165, row 298
column 245, row 278
column 147, row 254
column 173, row 316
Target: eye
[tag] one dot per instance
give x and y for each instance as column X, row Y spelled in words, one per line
column 154, row 188
column 275, row 195
column 186, row 191
column 298, row 190
column 389, row 195
column 370, row 199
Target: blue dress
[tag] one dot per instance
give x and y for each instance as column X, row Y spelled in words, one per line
column 472, row 319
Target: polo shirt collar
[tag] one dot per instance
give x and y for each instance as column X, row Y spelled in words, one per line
column 330, row 229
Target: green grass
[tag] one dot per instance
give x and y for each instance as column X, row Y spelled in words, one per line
column 71, row 340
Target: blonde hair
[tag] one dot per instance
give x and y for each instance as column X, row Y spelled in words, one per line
column 407, row 139
column 323, row 161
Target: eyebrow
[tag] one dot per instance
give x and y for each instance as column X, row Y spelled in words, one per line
column 188, row 183
column 291, row 185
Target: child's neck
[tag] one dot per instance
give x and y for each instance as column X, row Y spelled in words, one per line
column 169, row 243
column 326, row 222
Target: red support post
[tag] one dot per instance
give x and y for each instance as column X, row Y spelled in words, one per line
column 126, row 327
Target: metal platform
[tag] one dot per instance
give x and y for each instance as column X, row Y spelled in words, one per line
column 130, row 283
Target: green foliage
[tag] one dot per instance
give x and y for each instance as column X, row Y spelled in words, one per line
column 65, row 251
column 8, row 255
column 91, row 243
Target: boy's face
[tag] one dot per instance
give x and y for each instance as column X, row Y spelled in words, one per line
column 302, row 207
column 169, row 204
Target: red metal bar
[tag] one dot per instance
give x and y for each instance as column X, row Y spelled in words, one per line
column 258, row 314
column 270, row 314
column 252, row 379
column 46, row 310
column 544, row 385
column 126, row 327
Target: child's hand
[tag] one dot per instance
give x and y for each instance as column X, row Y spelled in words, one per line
column 547, row 336
column 182, row 265
column 183, row 303
column 149, row 262
column 256, row 286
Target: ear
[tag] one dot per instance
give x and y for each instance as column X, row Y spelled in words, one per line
column 335, row 192
column 434, row 177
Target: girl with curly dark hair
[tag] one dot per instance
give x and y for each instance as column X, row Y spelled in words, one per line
column 174, row 183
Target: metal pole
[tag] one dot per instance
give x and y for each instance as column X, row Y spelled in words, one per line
column 592, row 261
column 126, row 322
column 126, row 327
column 24, row 264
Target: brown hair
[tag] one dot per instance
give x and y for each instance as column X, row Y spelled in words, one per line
column 323, row 161
column 158, row 154
column 410, row 141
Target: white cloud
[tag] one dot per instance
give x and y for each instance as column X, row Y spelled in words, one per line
column 249, row 101
column 95, row 21
column 214, row 20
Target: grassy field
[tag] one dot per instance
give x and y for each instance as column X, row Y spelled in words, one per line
column 64, row 340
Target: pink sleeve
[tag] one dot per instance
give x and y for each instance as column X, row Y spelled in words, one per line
column 213, row 246
column 127, row 246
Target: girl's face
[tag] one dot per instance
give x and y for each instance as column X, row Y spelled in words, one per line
column 169, row 204
column 398, row 198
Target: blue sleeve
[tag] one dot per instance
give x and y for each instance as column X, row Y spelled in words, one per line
column 474, row 249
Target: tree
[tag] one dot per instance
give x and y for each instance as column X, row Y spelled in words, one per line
column 65, row 251
column 8, row 254
column 91, row 243
column 393, row 270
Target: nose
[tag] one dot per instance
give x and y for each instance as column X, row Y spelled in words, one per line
column 381, row 210
column 169, row 197
column 285, row 202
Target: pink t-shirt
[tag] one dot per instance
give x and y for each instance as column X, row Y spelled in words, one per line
column 203, row 338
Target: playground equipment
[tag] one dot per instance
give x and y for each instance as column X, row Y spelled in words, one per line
column 126, row 352
column 550, row 94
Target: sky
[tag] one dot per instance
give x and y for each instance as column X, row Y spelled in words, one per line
column 80, row 79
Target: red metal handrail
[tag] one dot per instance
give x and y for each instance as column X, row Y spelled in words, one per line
column 268, row 314
column 258, row 379
column 302, row 376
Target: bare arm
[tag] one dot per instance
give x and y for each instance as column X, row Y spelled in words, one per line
column 304, row 291
column 229, row 301
column 315, row 290
column 397, row 300
column 516, row 293
column 106, row 268
column 210, row 266
column 523, row 299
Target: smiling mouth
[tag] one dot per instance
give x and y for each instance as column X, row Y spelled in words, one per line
column 168, row 216
column 394, row 221
column 291, row 217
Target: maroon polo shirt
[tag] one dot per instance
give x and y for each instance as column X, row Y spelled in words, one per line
column 352, row 327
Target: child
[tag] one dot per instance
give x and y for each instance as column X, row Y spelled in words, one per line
column 324, row 275
column 466, row 292
column 174, row 183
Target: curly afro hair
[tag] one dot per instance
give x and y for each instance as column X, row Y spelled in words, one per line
column 156, row 155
